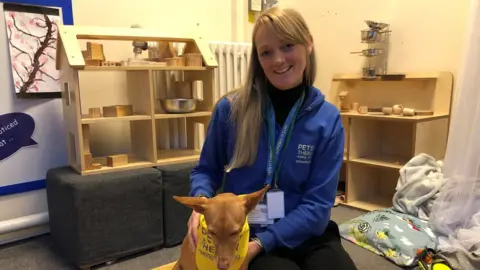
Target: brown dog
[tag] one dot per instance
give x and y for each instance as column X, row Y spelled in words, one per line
column 225, row 215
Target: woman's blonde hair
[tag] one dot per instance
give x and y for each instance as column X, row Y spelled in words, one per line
column 247, row 101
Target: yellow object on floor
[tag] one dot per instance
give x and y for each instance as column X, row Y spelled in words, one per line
column 166, row 266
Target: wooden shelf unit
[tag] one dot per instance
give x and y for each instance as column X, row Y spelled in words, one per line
column 147, row 133
column 377, row 146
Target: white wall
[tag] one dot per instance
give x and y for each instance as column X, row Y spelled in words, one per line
column 426, row 35
column 32, row 164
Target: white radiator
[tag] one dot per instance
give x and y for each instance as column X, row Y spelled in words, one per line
column 233, row 59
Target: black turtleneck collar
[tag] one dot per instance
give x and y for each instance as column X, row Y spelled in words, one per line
column 284, row 100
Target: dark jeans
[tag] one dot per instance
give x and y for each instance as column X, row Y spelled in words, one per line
column 323, row 252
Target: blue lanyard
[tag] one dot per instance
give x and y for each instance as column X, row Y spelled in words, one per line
column 274, row 159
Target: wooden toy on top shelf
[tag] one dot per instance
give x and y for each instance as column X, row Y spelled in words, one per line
column 150, row 138
column 175, row 62
column 94, row 112
column 160, row 51
column 192, row 55
column 111, row 64
column 94, row 54
column 344, row 105
column 193, row 59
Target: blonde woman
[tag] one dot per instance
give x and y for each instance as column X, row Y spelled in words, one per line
column 278, row 130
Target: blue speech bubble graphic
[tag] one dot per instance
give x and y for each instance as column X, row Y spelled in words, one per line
column 16, row 130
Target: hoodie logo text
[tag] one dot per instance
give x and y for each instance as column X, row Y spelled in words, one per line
column 305, row 153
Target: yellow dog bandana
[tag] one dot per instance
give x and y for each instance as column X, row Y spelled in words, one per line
column 205, row 252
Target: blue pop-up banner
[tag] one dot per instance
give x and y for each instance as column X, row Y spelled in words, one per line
column 16, row 130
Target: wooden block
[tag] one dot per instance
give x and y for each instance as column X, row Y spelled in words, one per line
column 94, row 112
column 90, row 62
column 190, row 47
column 96, row 166
column 193, row 59
column 117, row 110
column 165, row 50
column 171, row 62
column 423, row 112
column 117, row 160
column 88, row 161
column 86, row 138
column 180, row 61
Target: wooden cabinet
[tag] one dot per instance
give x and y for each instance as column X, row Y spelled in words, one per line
column 378, row 145
column 143, row 117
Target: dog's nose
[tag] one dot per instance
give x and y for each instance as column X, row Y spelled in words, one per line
column 223, row 263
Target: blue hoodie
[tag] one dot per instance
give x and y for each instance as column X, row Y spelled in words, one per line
column 308, row 177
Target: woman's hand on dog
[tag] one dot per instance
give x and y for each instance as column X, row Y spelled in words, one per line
column 253, row 250
column 193, row 223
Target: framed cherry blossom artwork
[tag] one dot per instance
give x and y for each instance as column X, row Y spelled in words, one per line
column 32, row 40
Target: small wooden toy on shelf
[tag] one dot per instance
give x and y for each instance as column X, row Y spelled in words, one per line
column 94, row 54
column 94, row 112
column 117, row 110
column 117, row 160
column 344, row 106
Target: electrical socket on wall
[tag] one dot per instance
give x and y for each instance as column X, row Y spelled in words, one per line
column 255, row 5
column 269, row 4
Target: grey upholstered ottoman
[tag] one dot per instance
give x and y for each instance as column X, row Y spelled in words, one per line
column 176, row 182
column 98, row 218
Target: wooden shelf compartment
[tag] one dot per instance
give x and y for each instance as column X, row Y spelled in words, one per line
column 131, row 89
column 380, row 143
column 137, row 134
column 181, row 84
column 370, row 188
column 99, row 141
column 180, row 139
column 419, row 91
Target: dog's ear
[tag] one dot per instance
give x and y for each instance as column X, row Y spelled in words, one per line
column 198, row 204
column 251, row 200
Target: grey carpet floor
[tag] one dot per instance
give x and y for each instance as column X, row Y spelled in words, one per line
column 38, row 253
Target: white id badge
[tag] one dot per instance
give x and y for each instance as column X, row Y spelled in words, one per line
column 276, row 204
column 258, row 215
